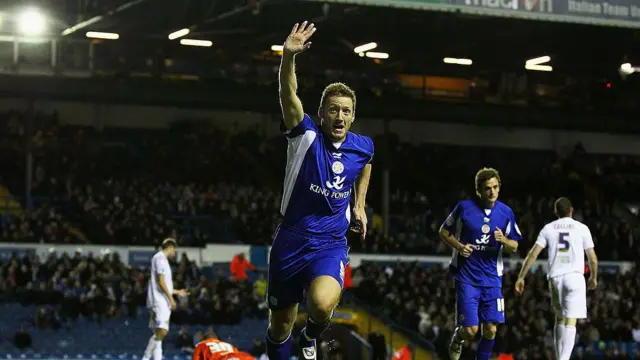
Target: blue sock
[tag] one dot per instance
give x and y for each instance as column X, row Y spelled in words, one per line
column 278, row 350
column 485, row 349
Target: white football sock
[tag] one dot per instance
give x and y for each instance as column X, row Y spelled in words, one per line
column 568, row 340
column 148, row 352
column 558, row 333
column 157, row 351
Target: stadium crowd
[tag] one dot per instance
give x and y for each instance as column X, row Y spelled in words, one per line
column 422, row 299
column 106, row 187
column 68, row 286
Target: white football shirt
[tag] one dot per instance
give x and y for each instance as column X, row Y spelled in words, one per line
column 155, row 295
column 566, row 239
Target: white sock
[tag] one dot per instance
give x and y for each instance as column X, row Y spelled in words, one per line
column 568, row 340
column 148, row 352
column 157, row 351
column 558, row 333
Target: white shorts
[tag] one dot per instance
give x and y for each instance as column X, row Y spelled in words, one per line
column 159, row 317
column 569, row 296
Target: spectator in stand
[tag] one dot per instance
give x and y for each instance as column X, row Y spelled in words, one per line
column 184, row 341
column 67, row 287
column 22, row 339
column 403, row 353
column 347, row 288
column 238, row 267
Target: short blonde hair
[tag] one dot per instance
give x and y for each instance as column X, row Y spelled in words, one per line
column 338, row 89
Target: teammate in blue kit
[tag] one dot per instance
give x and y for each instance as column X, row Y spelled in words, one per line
column 325, row 164
column 479, row 231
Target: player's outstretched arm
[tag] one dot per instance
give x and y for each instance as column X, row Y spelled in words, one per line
column 289, row 101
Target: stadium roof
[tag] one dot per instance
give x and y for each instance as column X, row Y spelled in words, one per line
column 416, row 40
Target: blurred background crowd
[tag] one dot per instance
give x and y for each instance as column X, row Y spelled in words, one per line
column 105, row 187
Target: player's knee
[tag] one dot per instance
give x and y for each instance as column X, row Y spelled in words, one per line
column 489, row 330
column 281, row 323
column 323, row 297
column 321, row 308
column 469, row 331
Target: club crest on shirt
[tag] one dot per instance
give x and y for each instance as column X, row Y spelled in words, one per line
column 337, row 167
column 485, row 229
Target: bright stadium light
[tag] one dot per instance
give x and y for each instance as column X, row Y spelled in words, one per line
column 31, row 22
column 377, row 55
column 538, row 67
column 365, row 47
column 539, row 60
column 457, row 61
column 193, row 42
column 627, row 69
column 178, row 34
column 102, row 35
column 277, row 48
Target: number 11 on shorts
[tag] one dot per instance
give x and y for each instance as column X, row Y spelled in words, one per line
column 500, row 305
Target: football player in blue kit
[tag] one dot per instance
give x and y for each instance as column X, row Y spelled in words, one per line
column 479, row 231
column 326, row 163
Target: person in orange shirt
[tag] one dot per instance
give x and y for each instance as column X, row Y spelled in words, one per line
column 211, row 348
column 239, row 266
column 348, row 280
column 403, row 353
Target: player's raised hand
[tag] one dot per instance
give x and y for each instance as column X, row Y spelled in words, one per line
column 499, row 235
column 467, row 249
column 592, row 284
column 520, row 286
column 297, row 40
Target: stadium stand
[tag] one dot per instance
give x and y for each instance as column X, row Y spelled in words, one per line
column 420, row 297
column 114, row 193
column 56, row 303
column 115, row 190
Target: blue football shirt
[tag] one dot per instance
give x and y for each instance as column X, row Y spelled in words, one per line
column 319, row 180
column 471, row 223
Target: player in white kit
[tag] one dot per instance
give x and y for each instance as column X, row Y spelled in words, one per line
column 567, row 240
column 160, row 300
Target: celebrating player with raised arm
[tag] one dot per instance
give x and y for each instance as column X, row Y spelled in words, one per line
column 160, row 298
column 479, row 231
column 325, row 164
column 567, row 240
